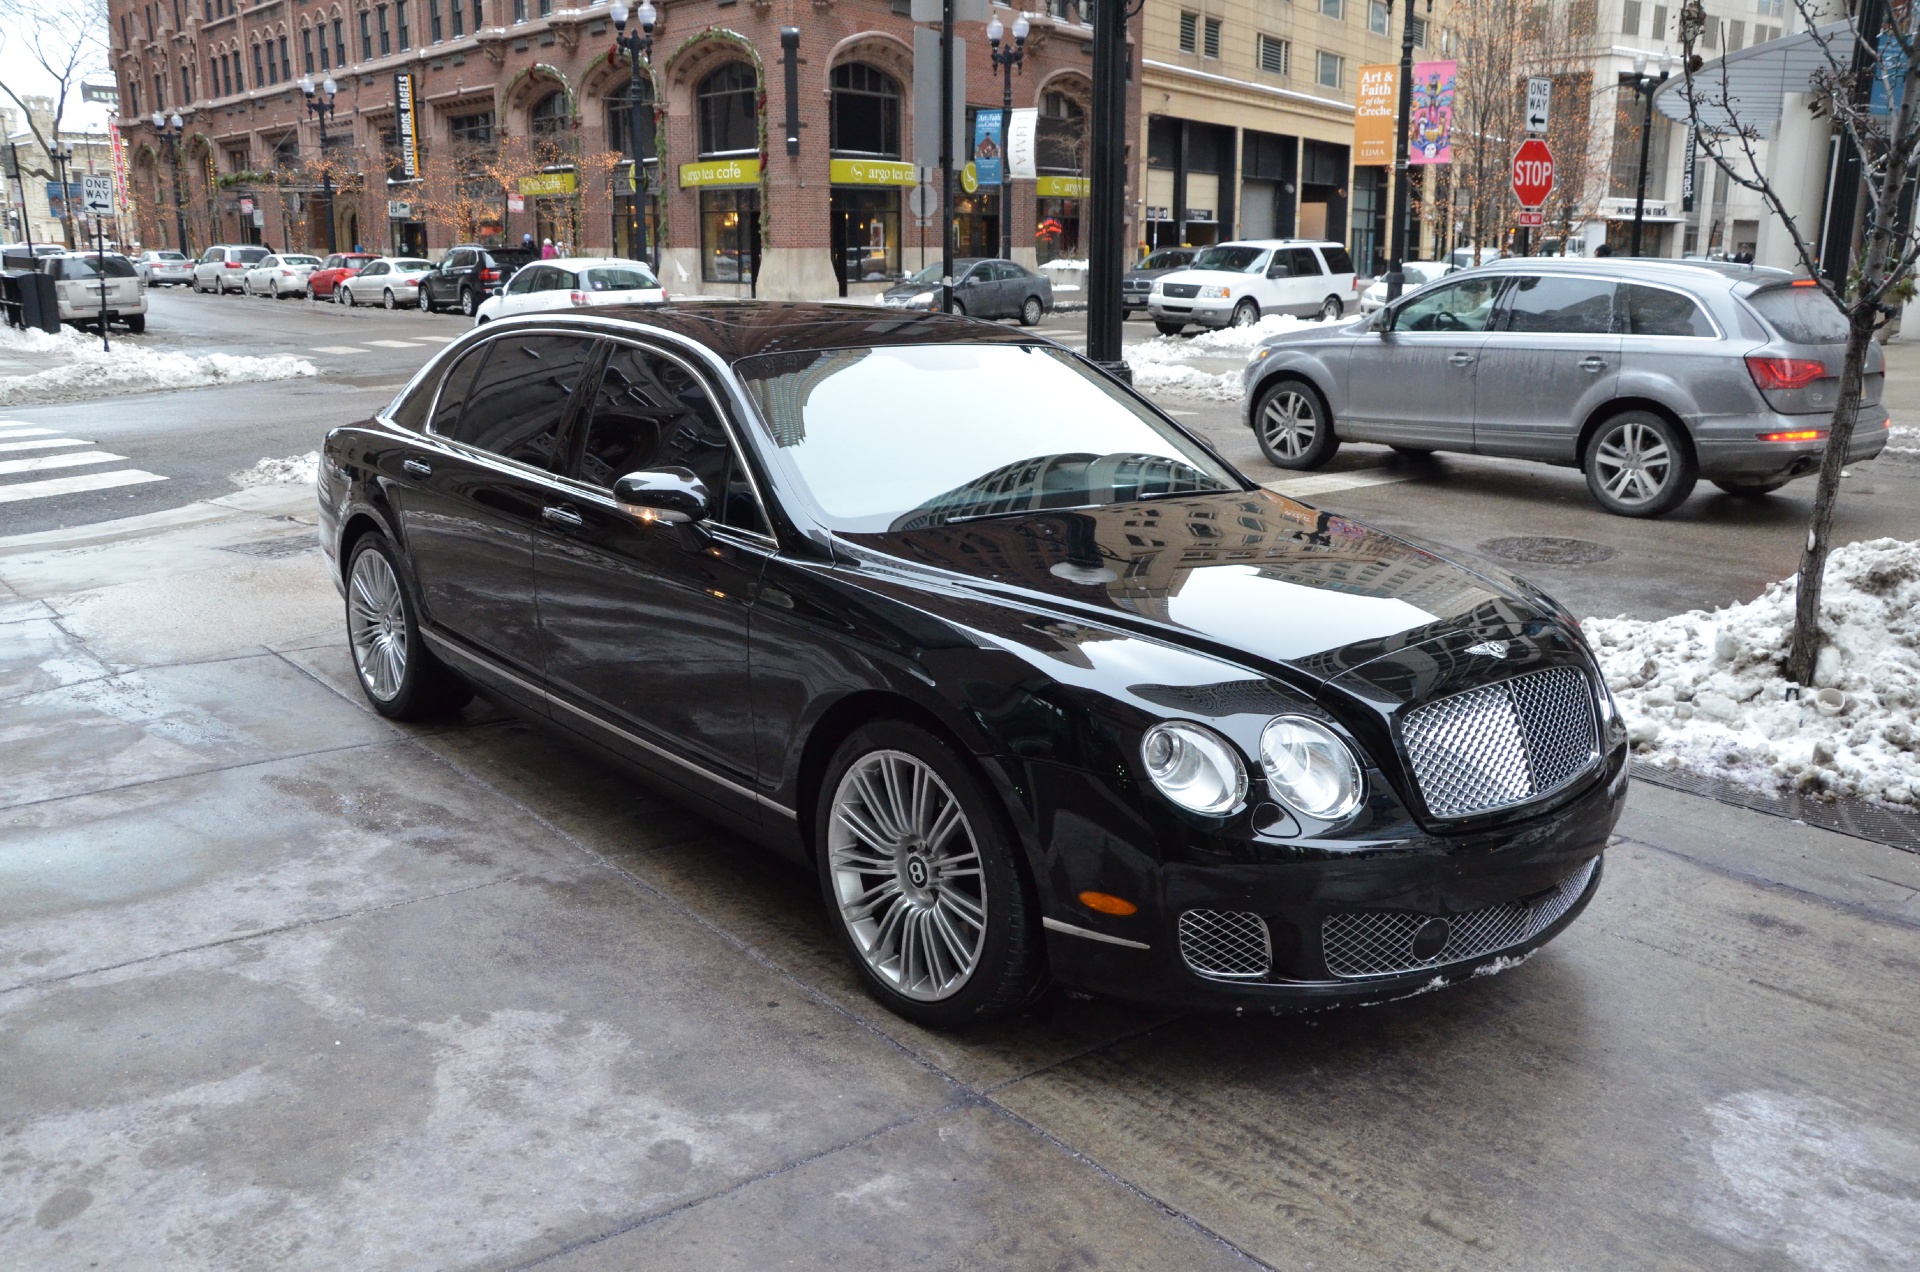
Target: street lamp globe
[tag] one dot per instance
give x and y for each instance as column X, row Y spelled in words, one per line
column 306, row 85
column 1639, row 65
column 618, row 12
column 329, row 88
column 995, row 30
column 176, row 122
column 1020, row 29
column 648, row 15
column 159, row 121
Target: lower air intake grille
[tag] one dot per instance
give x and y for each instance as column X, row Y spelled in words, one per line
column 1380, row 943
column 1225, row 944
column 1503, row 744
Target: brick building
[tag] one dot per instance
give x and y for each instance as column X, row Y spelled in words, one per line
column 522, row 110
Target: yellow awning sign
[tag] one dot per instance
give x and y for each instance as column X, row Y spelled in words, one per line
column 969, row 178
column 720, row 172
column 1062, row 187
column 871, row 172
column 548, row 184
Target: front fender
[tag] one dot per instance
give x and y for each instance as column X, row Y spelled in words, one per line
column 1293, row 363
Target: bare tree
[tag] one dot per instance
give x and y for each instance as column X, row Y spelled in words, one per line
column 66, row 41
column 1887, row 140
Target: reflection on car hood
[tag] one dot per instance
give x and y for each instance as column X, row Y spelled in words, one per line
column 1249, row 576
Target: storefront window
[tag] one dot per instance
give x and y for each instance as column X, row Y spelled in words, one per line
column 976, row 223
column 1057, row 235
column 729, row 235
column 866, row 234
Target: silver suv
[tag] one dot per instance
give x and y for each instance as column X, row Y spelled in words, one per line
column 1646, row 374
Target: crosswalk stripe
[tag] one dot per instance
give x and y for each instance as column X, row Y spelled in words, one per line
column 40, row 462
column 336, row 349
column 438, row 339
column 1328, row 483
column 15, row 431
column 75, row 484
column 393, row 344
column 42, row 443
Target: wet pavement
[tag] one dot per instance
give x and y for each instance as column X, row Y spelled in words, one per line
column 285, row 985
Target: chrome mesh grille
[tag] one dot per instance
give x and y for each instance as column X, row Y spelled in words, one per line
column 1502, row 744
column 1225, row 944
column 1380, row 943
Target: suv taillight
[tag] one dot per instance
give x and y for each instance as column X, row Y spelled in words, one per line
column 489, row 275
column 1785, row 373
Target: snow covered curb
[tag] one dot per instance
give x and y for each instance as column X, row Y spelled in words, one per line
column 1189, row 382
column 80, row 369
column 294, row 469
column 1703, row 692
column 1228, row 342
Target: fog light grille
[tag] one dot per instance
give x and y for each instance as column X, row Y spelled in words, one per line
column 1503, row 744
column 1380, row 943
column 1226, row 944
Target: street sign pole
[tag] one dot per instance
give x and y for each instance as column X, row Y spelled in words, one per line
column 1538, row 112
column 946, row 156
column 96, row 190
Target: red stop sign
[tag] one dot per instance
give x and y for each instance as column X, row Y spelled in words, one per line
column 1532, row 173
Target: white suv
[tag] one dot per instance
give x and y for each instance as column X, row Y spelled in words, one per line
column 223, row 267
column 1234, row 284
column 89, row 283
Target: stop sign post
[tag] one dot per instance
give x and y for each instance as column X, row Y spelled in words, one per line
column 1532, row 181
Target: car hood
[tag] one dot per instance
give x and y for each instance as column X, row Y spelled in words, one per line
column 910, row 289
column 1251, row 577
column 1316, row 333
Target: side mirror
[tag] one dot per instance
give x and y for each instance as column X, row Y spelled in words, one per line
column 497, row 290
column 665, row 494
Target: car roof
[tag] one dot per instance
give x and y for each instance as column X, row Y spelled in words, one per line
column 736, row 329
column 1265, row 243
column 590, row 262
column 1661, row 268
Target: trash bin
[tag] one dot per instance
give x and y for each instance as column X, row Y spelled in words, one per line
column 30, row 299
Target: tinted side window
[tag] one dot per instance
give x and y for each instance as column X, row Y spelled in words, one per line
column 1339, row 260
column 520, row 397
column 1302, row 263
column 1655, row 311
column 453, row 391
column 651, row 413
column 1567, row 306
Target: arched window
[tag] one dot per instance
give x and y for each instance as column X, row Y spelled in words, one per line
column 620, row 117
column 1060, row 138
column 865, row 119
column 550, row 116
column 729, row 123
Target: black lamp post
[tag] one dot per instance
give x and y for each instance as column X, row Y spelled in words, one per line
column 1402, row 168
column 1644, row 84
column 168, row 130
column 1007, row 59
column 61, row 152
column 320, row 106
column 638, row 46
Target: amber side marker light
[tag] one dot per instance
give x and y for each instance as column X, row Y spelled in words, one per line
column 1801, row 435
column 1108, row 904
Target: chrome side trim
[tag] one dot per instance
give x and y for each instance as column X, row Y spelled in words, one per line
column 1055, row 925
column 446, row 649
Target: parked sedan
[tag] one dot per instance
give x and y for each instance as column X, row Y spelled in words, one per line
column 158, row 269
column 981, row 289
column 1645, row 374
column 1418, row 274
column 390, row 281
column 995, row 676
column 222, row 267
column 90, row 284
column 335, row 270
column 282, row 275
column 571, row 283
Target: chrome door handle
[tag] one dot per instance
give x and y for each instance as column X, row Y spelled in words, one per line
column 1461, row 359
column 419, row 468
column 1595, row 363
column 565, row 518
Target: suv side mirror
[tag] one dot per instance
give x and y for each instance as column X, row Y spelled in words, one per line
column 664, row 494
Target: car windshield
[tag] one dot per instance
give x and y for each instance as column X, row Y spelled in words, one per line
column 995, row 430
column 1230, row 259
column 620, row 278
column 931, row 274
column 1803, row 315
column 1165, row 260
column 299, row 260
column 91, row 267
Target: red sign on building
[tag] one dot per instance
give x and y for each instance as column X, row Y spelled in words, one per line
column 1532, row 173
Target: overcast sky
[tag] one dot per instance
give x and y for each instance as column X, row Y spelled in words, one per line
column 23, row 75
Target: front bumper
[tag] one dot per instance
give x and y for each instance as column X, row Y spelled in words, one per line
column 1205, row 313
column 1732, row 447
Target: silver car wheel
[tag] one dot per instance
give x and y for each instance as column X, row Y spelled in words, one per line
column 906, row 875
column 377, row 625
column 1634, row 463
column 1290, row 423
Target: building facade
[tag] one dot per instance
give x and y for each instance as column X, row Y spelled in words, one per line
column 33, row 206
column 520, row 120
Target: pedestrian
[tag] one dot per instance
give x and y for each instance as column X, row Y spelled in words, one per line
column 1605, row 249
column 546, row 250
column 526, row 241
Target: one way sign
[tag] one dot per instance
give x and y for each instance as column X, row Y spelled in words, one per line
column 1539, row 103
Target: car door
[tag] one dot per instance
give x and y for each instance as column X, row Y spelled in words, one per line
column 513, row 297
column 1411, row 381
column 1275, row 283
column 645, row 622
column 471, row 500
column 1308, row 284
column 1551, row 357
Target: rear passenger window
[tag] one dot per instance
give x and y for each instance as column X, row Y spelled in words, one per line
column 1655, row 311
column 1339, row 260
column 453, row 390
column 520, row 397
column 1302, row 263
column 1565, row 306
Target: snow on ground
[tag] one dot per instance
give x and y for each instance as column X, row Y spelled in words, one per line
column 1066, row 264
column 75, row 367
column 1188, row 382
column 1703, row 691
column 1228, row 342
column 301, row 469
column 1903, row 440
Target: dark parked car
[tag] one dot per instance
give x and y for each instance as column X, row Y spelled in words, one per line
column 990, row 288
column 1137, row 283
column 467, row 275
column 1041, row 690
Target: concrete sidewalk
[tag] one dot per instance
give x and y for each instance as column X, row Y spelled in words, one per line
column 285, row 985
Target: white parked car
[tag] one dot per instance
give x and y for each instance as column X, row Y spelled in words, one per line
column 392, row 281
column 168, row 268
column 1418, row 274
column 572, row 282
column 1235, row 284
column 79, row 278
column 282, row 275
column 223, row 267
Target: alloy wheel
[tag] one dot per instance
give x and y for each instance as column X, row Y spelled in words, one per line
column 1634, row 463
column 388, row 300
column 1290, row 423
column 1332, row 311
column 1246, row 313
column 377, row 625
column 907, row 877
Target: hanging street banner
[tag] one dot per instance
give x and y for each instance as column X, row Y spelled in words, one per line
column 406, row 124
column 1687, row 173
column 119, row 150
column 1375, row 114
column 1430, row 135
column 1023, row 144
column 987, row 146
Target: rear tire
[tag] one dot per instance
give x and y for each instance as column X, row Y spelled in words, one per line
column 1031, row 311
column 387, row 299
column 467, row 302
column 923, row 880
column 1333, row 309
column 1169, row 328
column 426, row 306
column 1639, row 465
column 1750, row 489
column 1294, row 426
column 399, row 675
column 137, row 324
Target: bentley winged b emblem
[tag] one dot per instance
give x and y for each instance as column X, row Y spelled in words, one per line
column 1491, row 648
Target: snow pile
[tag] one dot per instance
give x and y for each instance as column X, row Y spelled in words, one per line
column 1704, row 691
column 301, row 469
column 1064, row 263
column 1190, row 382
column 1903, row 440
column 1228, row 342
column 87, row 371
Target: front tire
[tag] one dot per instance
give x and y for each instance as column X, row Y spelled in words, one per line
column 1031, row 311
column 400, row 677
column 1169, row 328
column 921, row 878
column 426, row 306
column 346, row 296
column 1294, row 426
column 1639, row 465
column 1332, row 310
column 1246, row 313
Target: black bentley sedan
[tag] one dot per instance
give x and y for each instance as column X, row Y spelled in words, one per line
column 1040, row 686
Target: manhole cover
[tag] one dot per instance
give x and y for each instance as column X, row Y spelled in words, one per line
column 1544, row 549
column 275, row 549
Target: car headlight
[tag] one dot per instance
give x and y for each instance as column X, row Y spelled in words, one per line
column 922, row 298
column 1194, row 767
column 1309, row 769
column 1216, row 293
